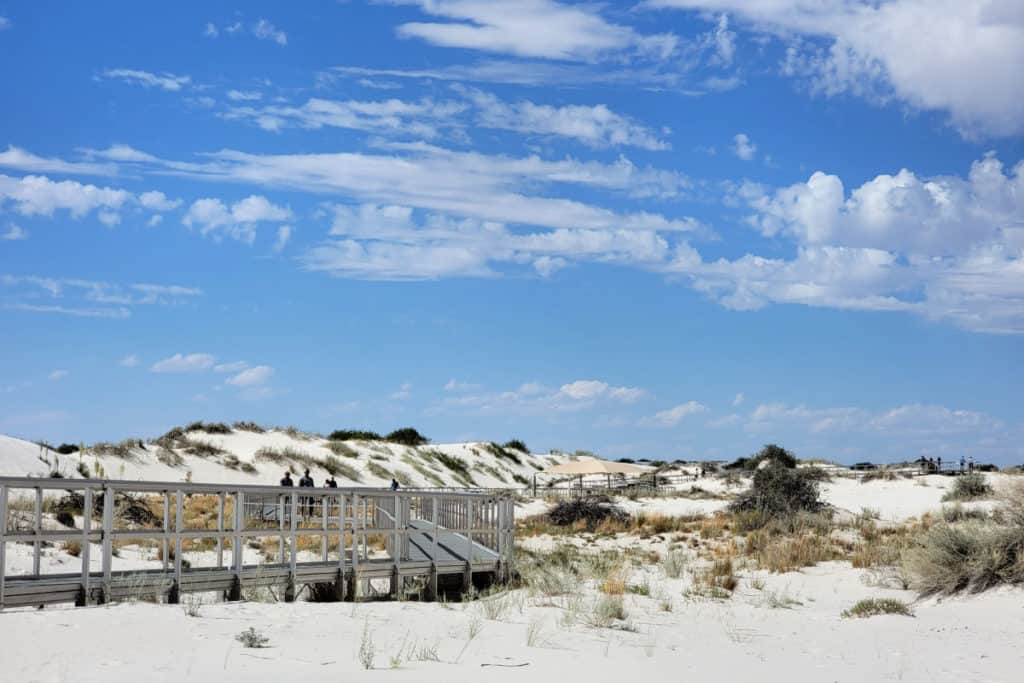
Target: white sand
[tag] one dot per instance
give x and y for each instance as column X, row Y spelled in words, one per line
column 974, row 639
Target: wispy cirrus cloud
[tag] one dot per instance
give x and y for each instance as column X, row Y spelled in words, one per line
column 147, row 79
column 87, row 298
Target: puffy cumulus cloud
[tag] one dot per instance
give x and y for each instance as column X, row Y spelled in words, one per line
column 14, row 233
column 179, row 363
column 674, row 415
column 263, row 29
column 164, row 81
column 590, row 389
column 251, row 377
column 238, row 220
column 936, row 216
column 743, row 147
column 34, row 195
column 533, row 28
column 947, row 248
column 971, row 71
column 129, row 361
column 158, row 201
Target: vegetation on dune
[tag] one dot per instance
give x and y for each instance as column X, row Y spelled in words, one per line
column 247, row 426
column 971, row 486
column 457, row 466
column 587, row 511
column 872, row 607
column 502, row 453
column 341, row 448
column 516, row 445
column 208, row 427
column 971, row 555
column 354, row 435
column 771, row 453
column 779, row 490
column 407, row 436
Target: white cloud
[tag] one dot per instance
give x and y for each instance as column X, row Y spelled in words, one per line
column 861, row 47
column 158, row 201
column 672, row 416
column 38, row 195
column 595, row 126
column 57, row 375
column 236, row 366
column 265, row 30
column 252, row 377
column 5, row 23
column 243, row 96
column 284, row 234
column 14, row 233
column 129, row 361
column 422, row 118
column 210, row 31
column 20, row 159
column 404, row 392
column 739, row 399
column 178, row 363
column 238, row 221
column 26, row 290
column 532, row 28
column 743, row 147
column 908, row 420
column 454, row 385
column 164, row 81
column 589, row 389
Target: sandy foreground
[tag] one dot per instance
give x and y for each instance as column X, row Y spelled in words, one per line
column 745, row 638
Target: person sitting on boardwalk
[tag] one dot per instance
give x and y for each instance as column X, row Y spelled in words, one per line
column 307, row 502
column 394, row 484
column 286, row 480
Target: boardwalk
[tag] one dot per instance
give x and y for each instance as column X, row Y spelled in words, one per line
column 350, row 541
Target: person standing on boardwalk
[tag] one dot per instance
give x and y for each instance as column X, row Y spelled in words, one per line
column 331, row 483
column 307, row 482
column 394, row 484
column 286, row 480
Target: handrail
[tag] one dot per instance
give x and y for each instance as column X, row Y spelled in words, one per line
column 345, row 517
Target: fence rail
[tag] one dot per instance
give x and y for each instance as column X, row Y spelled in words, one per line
column 348, row 537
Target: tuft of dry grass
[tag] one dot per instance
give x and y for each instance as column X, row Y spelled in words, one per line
column 873, row 607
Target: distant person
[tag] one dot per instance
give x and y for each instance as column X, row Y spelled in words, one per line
column 287, row 479
column 970, row 463
column 963, row 463
column 931, row 464
column 394, row 484
column 331, row 482
column 306, row 482
column 938, row 464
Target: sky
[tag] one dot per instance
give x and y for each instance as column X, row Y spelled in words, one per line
column 658, row 229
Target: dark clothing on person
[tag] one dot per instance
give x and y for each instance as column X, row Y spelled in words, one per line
column 287, row 480
column 332, row 483
column 306, row 502
column 394, row 484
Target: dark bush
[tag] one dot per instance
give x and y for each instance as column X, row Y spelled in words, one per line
column 407, row 436
column 208, row 427
column 517, row 445
column 247, row 426
column 500, row 453
column 354, row 435
column 67, row 448
column 775, row 454
column 591, row 511
column 777, row 491
column 627, row 461
column 323, row 592
column 65, row 518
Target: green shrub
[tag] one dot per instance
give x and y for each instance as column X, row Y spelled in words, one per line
column 200, row 448
column 589, row 511
column 407, row 436
column 970, row 486
column 66, row 448
column 777, row 490
column 516, row 445
column 502, row 454
column 246, row 426
column 354, row 435
column 973, row 556
column 872, row 607
column 208, row 427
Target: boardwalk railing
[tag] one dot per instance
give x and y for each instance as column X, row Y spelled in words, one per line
column 162, row 539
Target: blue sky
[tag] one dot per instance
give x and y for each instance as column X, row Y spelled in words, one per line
column 666, row 229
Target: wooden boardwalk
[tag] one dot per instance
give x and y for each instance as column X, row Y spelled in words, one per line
column 352, row 539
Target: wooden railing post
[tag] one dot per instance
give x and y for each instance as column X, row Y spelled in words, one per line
column 289, row 591
column 179, row 526
column 108, row 539
column 37, row 528
column 86, row 528
column 220, row 530
column 237, row 547
column 3, row 541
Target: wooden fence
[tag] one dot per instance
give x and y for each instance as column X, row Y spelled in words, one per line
column 343, row 537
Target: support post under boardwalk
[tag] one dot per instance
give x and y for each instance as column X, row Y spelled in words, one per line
column 108, row 539
column 3, row 543
column 86, row 528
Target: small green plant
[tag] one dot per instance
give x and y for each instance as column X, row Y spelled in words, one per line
column 354, row 435
column 367, row 650
column 872, row 607
column 674, row 563
column 970, row 486
column 252, row 638
column 407, row 436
